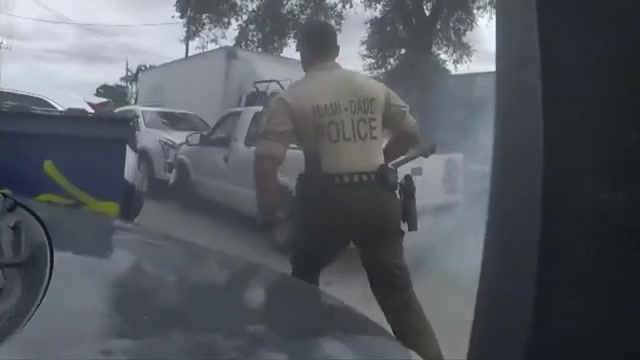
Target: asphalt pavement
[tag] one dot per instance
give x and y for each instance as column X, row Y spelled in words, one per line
column 444, row 257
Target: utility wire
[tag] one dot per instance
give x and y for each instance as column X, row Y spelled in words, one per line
column 68, row 20
column 52, row 11
column 89, row 24
column 59, row 15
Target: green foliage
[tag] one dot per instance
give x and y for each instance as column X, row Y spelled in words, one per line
column 117, row 93
column 402, row 36
column 263, row 25
column 397, row 30
column 421, row 29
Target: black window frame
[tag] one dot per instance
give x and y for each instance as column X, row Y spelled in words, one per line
column 146, row 122
column 222, row 120
column 130, row 114
column 247, row 140
column 251, row 138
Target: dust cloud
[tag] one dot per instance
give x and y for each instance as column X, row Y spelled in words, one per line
column 452, row 238
column 445, row 255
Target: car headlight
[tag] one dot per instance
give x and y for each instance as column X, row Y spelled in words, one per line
column 169, row 148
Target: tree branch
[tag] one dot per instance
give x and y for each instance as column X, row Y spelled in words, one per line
column 404, row 15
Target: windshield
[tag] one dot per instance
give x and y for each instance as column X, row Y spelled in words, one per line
column 171, row 120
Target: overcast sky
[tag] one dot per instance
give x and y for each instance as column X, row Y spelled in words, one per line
column 67, row 62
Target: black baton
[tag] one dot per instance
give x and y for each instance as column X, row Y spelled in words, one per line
column 423, row 151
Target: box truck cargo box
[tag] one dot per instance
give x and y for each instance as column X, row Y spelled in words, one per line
column 212, row 82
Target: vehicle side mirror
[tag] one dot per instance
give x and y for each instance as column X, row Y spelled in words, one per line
column 193, row 139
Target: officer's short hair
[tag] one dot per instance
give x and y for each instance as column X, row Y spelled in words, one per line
column 318, row 36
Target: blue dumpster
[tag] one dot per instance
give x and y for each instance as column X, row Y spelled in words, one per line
column 66, row 158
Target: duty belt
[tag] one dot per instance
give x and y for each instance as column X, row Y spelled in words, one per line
column 383, row 175
column 350, row 178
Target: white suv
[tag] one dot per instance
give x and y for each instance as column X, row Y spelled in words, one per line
column 160, row 132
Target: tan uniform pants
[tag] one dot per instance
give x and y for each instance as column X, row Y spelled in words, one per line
column 369, row 216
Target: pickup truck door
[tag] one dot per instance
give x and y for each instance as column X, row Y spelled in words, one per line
column 211, row 161
column 241, row 161
column 241, row 165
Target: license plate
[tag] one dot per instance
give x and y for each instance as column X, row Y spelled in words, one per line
column 416, row 171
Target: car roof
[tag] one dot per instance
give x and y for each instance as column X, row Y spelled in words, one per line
column 19, row 92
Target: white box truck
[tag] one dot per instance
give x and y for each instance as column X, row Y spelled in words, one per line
column 212, row 82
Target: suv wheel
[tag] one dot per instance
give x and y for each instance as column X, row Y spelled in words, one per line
column 182, row 187
column 148, row 184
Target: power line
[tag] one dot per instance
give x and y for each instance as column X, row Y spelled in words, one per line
column 90, row 30
column 88, row 24
column 59, row 15
column 52, row 11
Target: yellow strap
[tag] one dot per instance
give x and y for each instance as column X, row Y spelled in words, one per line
column 56, row 199
column 109, row 208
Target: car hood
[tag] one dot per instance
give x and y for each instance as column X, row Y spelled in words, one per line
column 119, row 291
column 177, row 137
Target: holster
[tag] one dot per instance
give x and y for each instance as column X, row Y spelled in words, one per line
column 387, row 177
column 407, row 192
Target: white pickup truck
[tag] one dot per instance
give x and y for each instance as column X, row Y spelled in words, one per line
column 218, row 166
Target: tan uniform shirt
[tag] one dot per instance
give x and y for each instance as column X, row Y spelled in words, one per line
column 340, row 114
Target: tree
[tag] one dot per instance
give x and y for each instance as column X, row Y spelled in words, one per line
column 409, row 44
column 414, row 31
column 264, row 25
column 117, row 93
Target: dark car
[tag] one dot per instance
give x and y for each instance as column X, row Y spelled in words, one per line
column 109, row 289
column 9, row 97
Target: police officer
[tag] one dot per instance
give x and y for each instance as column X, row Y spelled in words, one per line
column 337, row 117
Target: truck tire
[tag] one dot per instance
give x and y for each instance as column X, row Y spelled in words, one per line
column 136, row 206
column 182, row 188
column 132, row 203
column 149, row 182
